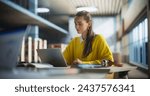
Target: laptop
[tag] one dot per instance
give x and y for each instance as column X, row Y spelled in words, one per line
column 52, row 56
column 10, row 47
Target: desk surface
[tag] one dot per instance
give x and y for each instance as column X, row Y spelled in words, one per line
column 121, row 69
column 52, row 73
column 62, row 73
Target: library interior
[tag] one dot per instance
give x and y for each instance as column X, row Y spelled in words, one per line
column 35, row 33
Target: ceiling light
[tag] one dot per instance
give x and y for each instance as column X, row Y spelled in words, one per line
column 42, row 10
column 89, row 9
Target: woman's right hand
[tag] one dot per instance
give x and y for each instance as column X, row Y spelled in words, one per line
column 77, row 61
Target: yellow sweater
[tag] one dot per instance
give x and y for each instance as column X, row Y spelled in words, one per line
column 100, row 51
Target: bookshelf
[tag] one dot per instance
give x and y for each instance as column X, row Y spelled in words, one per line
column 13, row 15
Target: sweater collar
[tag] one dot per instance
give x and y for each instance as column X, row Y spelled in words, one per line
column 81, row 39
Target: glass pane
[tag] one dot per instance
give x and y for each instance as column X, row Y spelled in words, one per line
column 137, row 43
column 146, row 30
column 140, row 33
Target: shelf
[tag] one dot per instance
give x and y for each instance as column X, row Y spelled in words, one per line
column 13, row 15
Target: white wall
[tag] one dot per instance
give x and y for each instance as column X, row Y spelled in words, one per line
column 131, row 12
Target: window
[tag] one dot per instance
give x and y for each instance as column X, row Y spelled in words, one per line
column 138, row 38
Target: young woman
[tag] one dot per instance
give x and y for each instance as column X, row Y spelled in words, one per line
column 90, row 48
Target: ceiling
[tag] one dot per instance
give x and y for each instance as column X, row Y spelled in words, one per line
column 60, row 10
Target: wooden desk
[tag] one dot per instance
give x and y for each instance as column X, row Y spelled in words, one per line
column 63, row 73
column 53, row 73
column 119, row 70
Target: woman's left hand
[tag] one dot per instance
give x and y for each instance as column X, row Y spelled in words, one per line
column 77, row 61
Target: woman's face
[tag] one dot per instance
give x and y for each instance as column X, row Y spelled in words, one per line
column 81, row 24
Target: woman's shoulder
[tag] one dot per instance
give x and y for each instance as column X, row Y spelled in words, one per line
column 74, row 39
column 99, row 37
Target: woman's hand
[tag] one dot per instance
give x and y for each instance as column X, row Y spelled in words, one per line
column 110, row 63
column 77, row 61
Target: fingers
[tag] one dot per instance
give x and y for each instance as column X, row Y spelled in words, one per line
column 77, row 61
column 74, row 64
